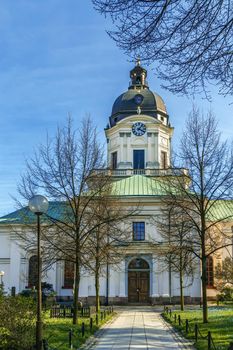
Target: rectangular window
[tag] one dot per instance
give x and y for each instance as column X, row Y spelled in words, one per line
column 138, row 231
column 114, row 160
column 68, row 274
column 163, row 160
column 138, row 159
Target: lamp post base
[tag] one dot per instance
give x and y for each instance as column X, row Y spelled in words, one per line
column 39, row 342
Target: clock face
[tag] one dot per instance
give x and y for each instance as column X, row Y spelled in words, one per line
column 139, row 129
column 138, row 99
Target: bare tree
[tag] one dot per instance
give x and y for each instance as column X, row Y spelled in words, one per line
column 201, row 193
column 110, row 230
column 176, row 253
column 62, row 170
column 190, row 41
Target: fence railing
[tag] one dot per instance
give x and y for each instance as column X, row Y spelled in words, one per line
column 73, row 335
column 146, row 171
column 190, row 329
column 63, row 311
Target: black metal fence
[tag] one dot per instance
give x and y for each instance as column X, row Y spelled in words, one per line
column 190, row 329
column 63, row 311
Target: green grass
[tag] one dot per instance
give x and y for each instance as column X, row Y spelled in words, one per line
column 220, row 325
column 56, row 331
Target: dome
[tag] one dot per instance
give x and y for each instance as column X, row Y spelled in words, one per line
column 139, row 99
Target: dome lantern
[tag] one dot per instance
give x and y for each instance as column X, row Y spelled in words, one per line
column 138, row 77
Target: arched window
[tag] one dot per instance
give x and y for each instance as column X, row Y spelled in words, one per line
column 137, row 264
column 68, row 274
column 32, row 271
column 210, row 271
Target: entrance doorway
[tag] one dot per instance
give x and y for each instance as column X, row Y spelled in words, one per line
column 138, row 281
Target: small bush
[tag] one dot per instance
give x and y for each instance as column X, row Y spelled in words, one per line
column 17, row 323
column 226, row 294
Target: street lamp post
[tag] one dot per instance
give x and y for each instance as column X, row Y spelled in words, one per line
column 38, row 205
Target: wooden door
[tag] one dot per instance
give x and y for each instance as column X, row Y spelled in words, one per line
column 143, row 286
column 138, row 286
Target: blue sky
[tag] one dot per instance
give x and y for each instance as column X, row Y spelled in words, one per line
column 56, row 58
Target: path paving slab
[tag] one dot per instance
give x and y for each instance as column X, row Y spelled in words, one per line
column 137, row 329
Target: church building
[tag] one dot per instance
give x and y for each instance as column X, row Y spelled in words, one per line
column 138, row 138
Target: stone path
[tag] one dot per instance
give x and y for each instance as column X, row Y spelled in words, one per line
column 136, row 329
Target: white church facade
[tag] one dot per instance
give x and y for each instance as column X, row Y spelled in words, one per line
column 138, row 139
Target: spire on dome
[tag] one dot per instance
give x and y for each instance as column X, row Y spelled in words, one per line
column 138, row 61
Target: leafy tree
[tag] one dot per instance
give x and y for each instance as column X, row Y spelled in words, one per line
column 190, row 41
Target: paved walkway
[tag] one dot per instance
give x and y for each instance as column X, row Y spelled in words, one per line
column 136, row 329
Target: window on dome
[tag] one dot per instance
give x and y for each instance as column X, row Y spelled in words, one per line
column 138, row 231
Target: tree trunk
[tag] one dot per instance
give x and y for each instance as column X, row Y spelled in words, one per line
column 76, row 291
column 204, row 290
column 97, row 287
column 181, row 285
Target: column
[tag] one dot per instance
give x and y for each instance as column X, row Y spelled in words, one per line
column 149, row 151
column 165, row 285
column 122, row 280
column 156, row 149
column 154, row 281
column 129, row 151
column 59, row 277
column 121, row 153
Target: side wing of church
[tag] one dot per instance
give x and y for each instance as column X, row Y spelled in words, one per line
column 138, row 140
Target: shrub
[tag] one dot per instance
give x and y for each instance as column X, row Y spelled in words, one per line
column 17, row 323
column 226, row 294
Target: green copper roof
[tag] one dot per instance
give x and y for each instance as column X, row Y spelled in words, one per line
column 56, row 210
column 220, row 210
column 134, row 186
column 138, row 185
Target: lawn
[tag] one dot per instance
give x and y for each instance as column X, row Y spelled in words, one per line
column 56, row 331
column 220, row 325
